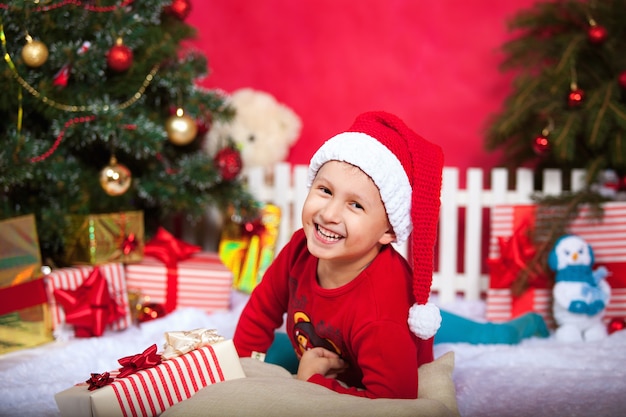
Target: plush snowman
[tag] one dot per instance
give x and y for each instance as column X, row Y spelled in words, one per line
column 580, row 293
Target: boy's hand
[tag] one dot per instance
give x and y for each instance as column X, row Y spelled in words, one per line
column 320, row 361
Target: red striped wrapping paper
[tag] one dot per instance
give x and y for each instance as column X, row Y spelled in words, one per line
column 150, row 392
column 72, row 278
column 203, row 281
column 607, row 239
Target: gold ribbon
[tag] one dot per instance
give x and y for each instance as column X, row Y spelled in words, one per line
column 181, row 342
column 72, row 107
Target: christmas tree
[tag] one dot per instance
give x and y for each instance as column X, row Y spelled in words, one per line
column 567, row 108
column 100, row 113
column 568, row 105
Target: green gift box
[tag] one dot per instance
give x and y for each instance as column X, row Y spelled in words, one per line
column 24, row 313
column 96, row 239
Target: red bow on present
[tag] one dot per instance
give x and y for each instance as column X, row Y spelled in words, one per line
column 169, row 250
column 90, row 307
column 253, row 228
column 129, row 244
column 149, row 358
column 99, row 380
column 166, row 248
column 516, row 255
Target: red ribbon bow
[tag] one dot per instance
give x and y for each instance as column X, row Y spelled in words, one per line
column 169, row 250
column 129, row 244
column 253, row 228
column 149, row 358
column 516, row 254
column 99, row 380
column 90, row 307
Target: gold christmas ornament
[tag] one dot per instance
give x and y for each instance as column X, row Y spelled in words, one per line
column 115, row 178
column 181, row 129
column 34, row 53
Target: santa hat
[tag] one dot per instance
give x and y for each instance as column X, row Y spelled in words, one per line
column 407, row 171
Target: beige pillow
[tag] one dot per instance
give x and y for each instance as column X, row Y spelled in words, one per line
column 270, row 390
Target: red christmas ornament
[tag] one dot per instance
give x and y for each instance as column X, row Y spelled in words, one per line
column 616, row 324
column 119, row 57
column 597, row 34
column 150, row 311
column 541, row 145
column 62, row 76
column 621, row 79
column 204, row 123
column 179, row 8
column 228, row 161
column 575, row 97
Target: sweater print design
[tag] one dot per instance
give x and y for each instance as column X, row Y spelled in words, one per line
column 306, row 336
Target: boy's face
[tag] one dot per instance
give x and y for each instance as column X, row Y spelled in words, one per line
column 344, row 218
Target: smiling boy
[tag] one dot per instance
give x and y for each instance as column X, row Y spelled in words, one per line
column 344, row 289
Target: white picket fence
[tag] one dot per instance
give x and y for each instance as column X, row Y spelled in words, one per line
column 462, row 230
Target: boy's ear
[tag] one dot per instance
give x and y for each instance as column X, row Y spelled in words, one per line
column 388, row 237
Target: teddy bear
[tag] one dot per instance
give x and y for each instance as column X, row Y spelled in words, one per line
column 262, row 129
column 580, row 294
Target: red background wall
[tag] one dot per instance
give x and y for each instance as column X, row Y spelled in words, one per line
column 433, row 63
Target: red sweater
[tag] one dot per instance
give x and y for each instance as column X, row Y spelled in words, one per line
column 365, row 321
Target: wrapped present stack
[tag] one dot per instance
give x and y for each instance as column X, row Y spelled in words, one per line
column 150, row 382
column 90, row 296
column 111, row 274
column 24, row 315
column 518, row 285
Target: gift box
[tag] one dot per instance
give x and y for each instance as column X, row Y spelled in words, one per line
column 502, row 305
column 248, row 249
column 24, row 315
column 176, row 274
column 103, row 238
column 510, row 249
column 148, row 392
column 72, row 280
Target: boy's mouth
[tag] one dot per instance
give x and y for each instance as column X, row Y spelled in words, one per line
column 327, row 234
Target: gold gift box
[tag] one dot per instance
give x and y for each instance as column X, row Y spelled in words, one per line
column 95, row 239
column 24, row 314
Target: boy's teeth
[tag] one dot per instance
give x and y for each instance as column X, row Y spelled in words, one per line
column 327, row 233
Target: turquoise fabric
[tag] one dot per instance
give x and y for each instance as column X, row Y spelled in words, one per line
column 281, row 353
column 458, row 329
column 454, row 329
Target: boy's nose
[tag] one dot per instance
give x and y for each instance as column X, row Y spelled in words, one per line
column 330, row 212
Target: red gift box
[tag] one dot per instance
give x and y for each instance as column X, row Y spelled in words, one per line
column 72, row 278
column 606, row 237
column 201, row 281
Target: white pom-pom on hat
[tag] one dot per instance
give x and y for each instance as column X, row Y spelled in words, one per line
column 424, row 320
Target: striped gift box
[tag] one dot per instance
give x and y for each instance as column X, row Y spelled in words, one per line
column 607, row 238
column 202, row 281
column 72, row 278
column 502, row 306
column 150, row 392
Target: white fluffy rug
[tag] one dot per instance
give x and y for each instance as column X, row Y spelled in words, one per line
column 539, row 377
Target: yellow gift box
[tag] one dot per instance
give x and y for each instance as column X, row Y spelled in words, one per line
column 248, row 253
column 96, row 239
column 24, row 314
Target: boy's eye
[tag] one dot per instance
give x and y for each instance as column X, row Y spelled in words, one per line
column 357, row 205
column 325, row 190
